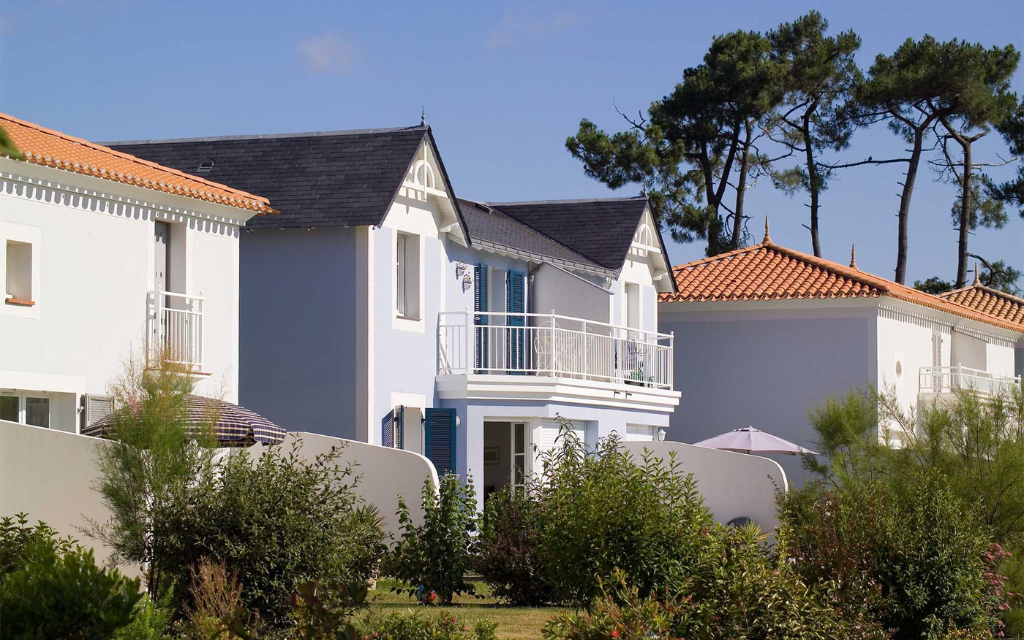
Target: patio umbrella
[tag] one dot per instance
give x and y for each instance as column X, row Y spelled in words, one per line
column 235, row 426
column 751, row 440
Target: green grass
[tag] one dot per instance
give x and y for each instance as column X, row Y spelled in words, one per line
column 514, row 623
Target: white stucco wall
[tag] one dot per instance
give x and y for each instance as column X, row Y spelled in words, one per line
column 95, row 257
column 909, row 343
column 733, row 485
column 554, row 289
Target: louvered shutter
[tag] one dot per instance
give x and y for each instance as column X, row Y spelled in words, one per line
column 480, row 298
column 399, row 427
column 515, row 296
column 95, row 408
column 439, row 434
column 387, row 430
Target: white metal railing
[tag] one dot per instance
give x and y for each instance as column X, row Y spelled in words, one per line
column 174, row 328
column 552, row 345
column 950, row 379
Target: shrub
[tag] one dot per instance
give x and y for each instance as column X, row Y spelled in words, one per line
column 152, row 620
column 440, row 625
column 603, row 510
column 432, row 559
column 278, row 522
column 915, row 561
column 17, row 537
column 64, row 595
column 506, row 550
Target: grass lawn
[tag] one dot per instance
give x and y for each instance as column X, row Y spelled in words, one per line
column 514, row 623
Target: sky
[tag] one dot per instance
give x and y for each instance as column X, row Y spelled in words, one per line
column 502, row 86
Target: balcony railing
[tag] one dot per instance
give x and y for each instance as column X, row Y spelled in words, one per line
column 552, row 345
column 174, row 328
column 949, row 379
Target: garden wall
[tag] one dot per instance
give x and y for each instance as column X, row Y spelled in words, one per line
column 734, row 485
column 50, row 475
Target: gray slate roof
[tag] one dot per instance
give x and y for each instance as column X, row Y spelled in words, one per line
column 339, row 178
column 493, row 226
column 600, row 229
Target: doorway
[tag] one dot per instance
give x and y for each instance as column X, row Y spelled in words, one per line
column 505, row 459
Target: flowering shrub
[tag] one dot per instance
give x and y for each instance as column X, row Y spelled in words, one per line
column 506, row 551
column 414, row 626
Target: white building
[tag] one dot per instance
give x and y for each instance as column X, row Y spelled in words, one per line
column 765, row 333
column 379, row 307
column 102, row 253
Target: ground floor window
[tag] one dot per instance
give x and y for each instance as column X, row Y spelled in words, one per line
column 641, row 433
column 25, row 408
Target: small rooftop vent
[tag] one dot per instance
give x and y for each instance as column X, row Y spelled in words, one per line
column 205, row 166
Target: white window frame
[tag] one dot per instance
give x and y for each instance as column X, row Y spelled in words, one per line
column 23, row 397
column 406, row 319
column 25, row 234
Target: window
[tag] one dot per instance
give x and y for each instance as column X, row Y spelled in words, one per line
column 19, row 273
column 24, row 409
column 10, row 408
column 407, row 274
column 632, row 300
column 37, row 412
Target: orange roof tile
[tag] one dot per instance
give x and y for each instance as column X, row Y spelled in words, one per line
column 768, row 271
column 991, row 302
column 54, row 149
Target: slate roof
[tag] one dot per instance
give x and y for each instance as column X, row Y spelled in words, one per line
column 989, row 301
column 768, row 271
column 601, row 230
column 493, row 226
column 58, row 150
column 323, row 179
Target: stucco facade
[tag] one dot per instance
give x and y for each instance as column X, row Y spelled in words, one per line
column 93, row 260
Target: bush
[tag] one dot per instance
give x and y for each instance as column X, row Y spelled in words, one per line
column 152, row 621
column 603, row 510
column 506, row 551
column 17, row 537
column 64, row 595
column 278, row 523
column 432, row 559
column 413, row 626
column 915, row 561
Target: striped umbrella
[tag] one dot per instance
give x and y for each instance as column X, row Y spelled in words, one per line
column 233, row 426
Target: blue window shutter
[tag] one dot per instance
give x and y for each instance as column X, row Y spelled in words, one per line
column 515, row 294
column 387, row 430
column 439, row 432
column 480, row 304
column 399, row 427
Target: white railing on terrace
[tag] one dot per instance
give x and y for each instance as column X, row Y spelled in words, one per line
column 552, row 345
column 950, row 379
column 174, row 328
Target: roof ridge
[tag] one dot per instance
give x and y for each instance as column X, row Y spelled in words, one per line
column 720, row 256
column 863, row 277
column 263, row 136
column 128, row 156
column 987, row 289
column 564, row 201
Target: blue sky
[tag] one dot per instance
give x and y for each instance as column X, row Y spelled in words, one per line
column 503, row 85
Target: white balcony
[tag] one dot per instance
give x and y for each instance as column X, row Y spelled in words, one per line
column 554, row 346
column 947, row 380
column 174, row 328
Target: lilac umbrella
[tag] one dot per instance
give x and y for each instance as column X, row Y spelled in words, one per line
column 751, row 440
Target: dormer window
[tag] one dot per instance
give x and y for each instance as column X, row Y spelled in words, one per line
column 205, row 166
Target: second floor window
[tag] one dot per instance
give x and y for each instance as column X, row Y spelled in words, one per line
column 19, row 272
column 407, row 274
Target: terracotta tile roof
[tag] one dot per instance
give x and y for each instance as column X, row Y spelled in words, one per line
column 991, row 302
column 54, row 149
column 768, row 271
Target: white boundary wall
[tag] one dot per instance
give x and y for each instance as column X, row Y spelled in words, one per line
column 733, row 484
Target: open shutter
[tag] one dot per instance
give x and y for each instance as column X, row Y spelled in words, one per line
column 480, row 298
column 439, row 434
column 516, row 304
column 387, row 430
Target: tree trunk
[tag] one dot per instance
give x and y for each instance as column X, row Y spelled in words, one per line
column 813, row 182
column 908, row 190
column 965, row 217
column 741, row 190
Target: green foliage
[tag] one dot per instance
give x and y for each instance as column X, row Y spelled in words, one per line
column 152, row 620
column 432, row 559
column 913, row 560
column 1000, row 276
column 506, row 550
column 150, row 471
column 933, row 285
column 279, row 521
column 17, row 537
column 604, row 510
column 8, row 148
column 440, row 625
column 64, row 595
